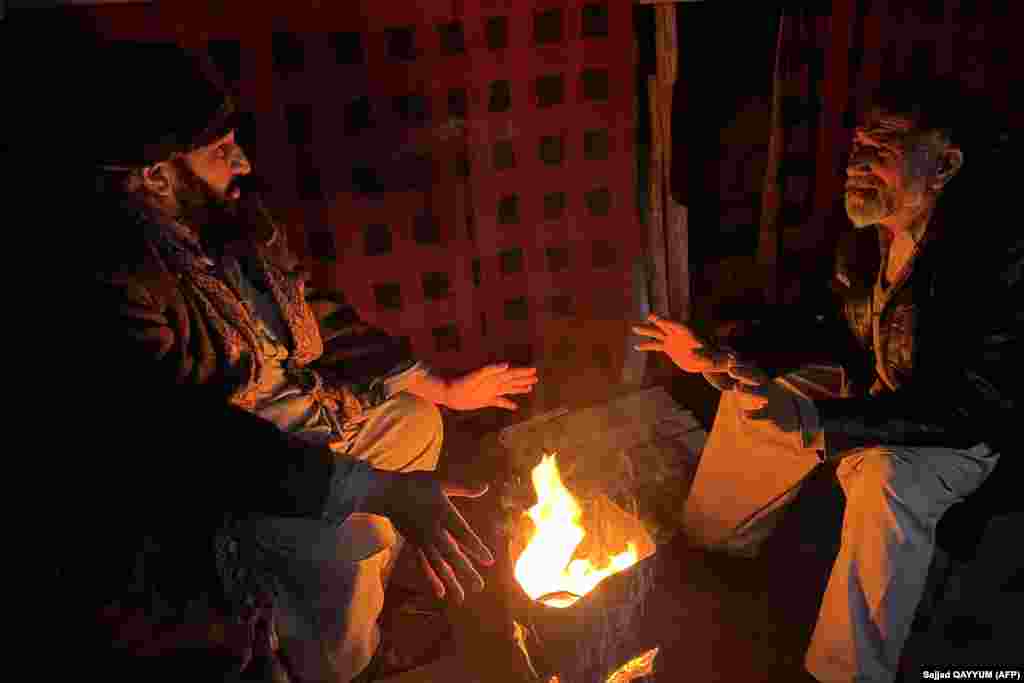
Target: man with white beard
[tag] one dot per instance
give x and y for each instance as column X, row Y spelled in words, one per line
column 904, row 379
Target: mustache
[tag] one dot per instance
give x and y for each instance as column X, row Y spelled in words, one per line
column 863, row 182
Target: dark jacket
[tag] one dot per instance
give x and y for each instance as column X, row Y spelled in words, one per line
column 949, row 339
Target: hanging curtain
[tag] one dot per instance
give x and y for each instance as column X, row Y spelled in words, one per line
column 827, row 64
column 796, row 122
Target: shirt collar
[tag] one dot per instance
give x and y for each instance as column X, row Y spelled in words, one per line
column 182, row 242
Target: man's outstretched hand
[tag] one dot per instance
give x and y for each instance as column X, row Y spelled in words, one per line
column 488, row 386
column 418, row 504
column 681, row 345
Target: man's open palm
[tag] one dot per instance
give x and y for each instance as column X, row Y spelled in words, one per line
column 680, row 344
column 419, row 505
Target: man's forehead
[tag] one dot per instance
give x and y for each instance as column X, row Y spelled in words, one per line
column 228, row 139
column 880, row 122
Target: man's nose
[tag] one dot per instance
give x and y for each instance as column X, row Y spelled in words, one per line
column 239, row 163
column 859, row 163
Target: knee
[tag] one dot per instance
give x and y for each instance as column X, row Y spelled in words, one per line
column 422, row 429
column 888, row 476
column 727, row 401
column 875, row 471
column 360, row 537
column 728, row 414
column 418, row 415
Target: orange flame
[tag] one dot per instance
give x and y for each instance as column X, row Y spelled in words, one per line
column 546, row 567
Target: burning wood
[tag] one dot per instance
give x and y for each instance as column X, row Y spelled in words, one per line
column 638, row 667
column 520, row 634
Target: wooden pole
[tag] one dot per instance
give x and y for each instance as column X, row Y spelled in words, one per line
column 668, row 237
column 770, row 234
column 655, row 220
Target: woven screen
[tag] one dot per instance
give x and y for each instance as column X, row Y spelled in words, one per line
column 480, row 183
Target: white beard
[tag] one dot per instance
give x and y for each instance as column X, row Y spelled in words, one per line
column 864, row 209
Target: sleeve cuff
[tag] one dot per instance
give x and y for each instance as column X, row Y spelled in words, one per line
column 813, row 434
column 349, row 488
column 395, row 381
column 399, row 382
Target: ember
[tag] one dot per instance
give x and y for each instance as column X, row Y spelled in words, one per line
column 638, row 667
column 546, row 569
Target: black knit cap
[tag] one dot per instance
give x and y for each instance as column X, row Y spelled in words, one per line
column 141, row 103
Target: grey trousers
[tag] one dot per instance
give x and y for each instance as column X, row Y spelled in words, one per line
column 751, row 469
column 334, row 578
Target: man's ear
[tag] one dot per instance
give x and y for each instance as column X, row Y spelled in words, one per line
column 157, row 179
column 949, row 163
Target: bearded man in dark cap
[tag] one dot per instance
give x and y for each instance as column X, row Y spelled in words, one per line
column 281, row 469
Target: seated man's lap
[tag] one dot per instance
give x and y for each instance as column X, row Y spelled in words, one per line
column 403, row 434
column 332, row 576
column 750, row 469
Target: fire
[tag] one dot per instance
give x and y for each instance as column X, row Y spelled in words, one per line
column 546, row 569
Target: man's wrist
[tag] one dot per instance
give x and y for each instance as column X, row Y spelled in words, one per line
column 432, row 388
column 813, row 434
column 446, row 388
column 721, row 381
column 440, row 390
column 378, row 493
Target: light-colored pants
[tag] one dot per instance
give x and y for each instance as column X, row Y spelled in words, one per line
column 334, row 578
column 750, row 470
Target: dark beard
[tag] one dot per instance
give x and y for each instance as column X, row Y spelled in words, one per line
column 215, row 220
